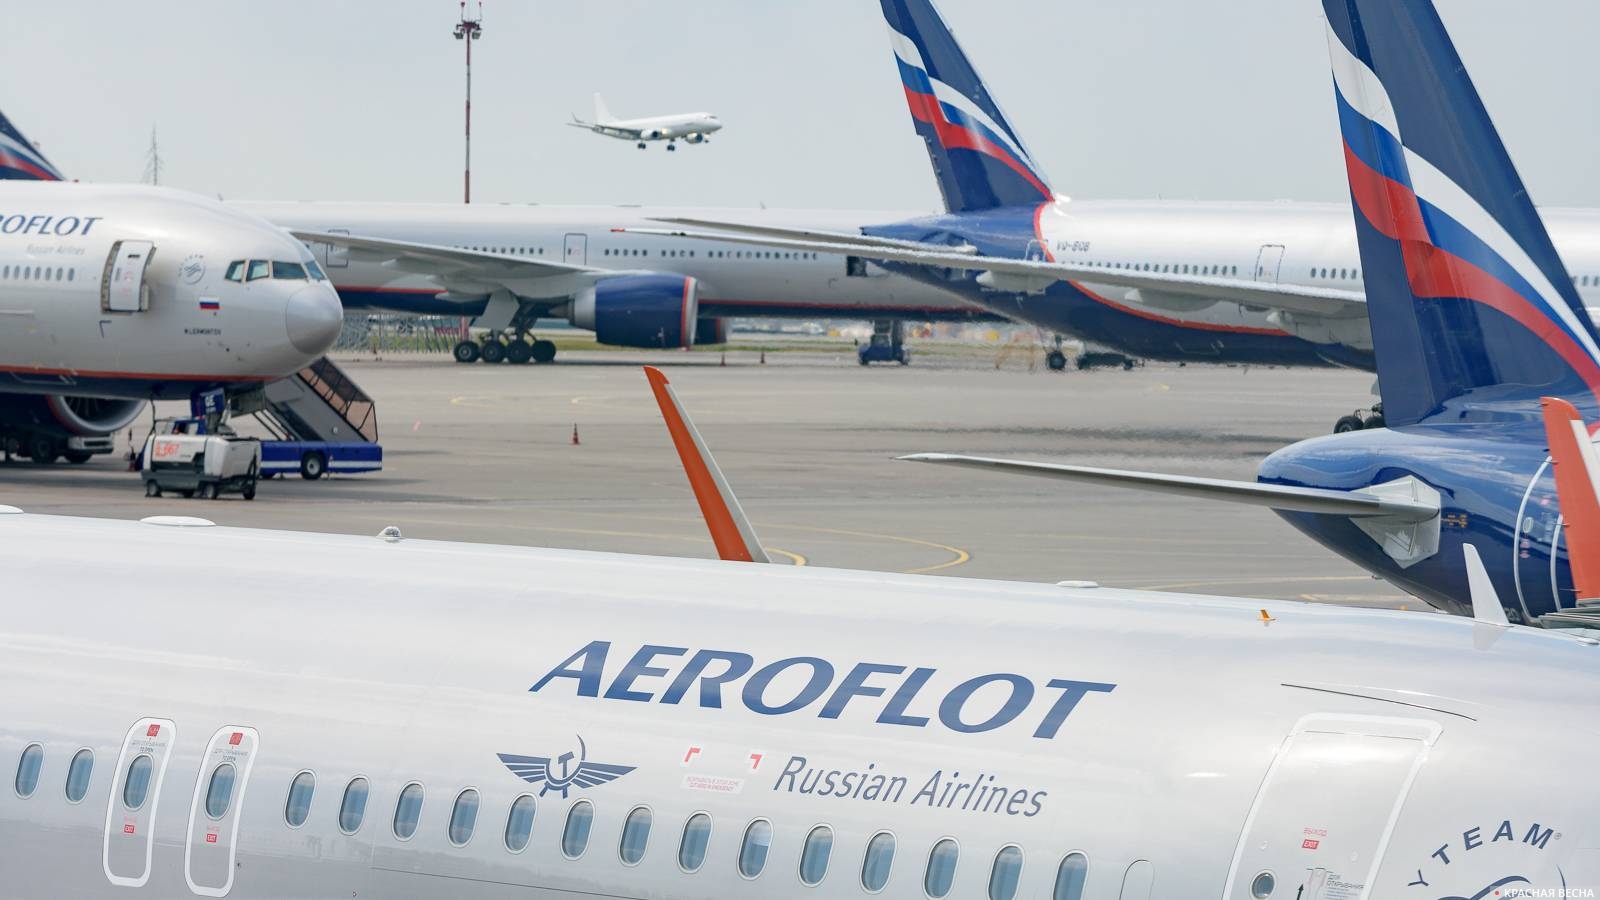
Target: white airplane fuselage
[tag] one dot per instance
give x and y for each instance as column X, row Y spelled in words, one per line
column 734, row 280
column 509, row 734
column 76, row 319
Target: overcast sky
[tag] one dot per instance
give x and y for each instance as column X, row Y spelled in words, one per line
column 1116, row 98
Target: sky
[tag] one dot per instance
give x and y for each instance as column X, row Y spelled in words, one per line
column 1127, row 99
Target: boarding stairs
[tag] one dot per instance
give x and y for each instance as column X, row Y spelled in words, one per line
column 319, row 403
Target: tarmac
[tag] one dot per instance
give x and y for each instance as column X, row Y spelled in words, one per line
column 808, row 438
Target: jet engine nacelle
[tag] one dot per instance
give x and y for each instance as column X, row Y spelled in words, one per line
column 652, row 134
column 645, row 310
column 695, row 138
column 71, row 416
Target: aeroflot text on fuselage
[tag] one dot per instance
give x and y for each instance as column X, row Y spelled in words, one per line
column 977, row 704
column 65, row 226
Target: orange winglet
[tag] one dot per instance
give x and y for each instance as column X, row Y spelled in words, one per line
column 730, row 530
column 1576, row 464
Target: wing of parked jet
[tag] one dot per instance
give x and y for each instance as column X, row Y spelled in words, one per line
column 1276, row 496
column 1031, row 275
column 730, row 529
column 438, row 259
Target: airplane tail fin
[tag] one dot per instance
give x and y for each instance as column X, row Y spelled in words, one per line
column 978, row 159
column 20, row 160
column 1470, row 304
column 602, row 116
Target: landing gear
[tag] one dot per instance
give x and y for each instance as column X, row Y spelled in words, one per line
column 519, row 352
column 544, row 351
column 1056, row 359
column 467, row 352
column 671, row 147
column 517, row 349
column 1094, row 360
column 493, row 351
column 1360, row 421
column 643, row 145
column 887, row 344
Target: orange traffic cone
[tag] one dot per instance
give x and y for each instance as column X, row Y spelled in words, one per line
column 724, row 362
column 574, row 434
column 763, row 356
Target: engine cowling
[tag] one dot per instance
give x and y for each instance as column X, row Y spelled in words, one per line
column 695, row 138
column 643, row 310
column 72, row 416
column 652, row 134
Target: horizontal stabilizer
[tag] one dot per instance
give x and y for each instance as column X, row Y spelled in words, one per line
column 1275, row 496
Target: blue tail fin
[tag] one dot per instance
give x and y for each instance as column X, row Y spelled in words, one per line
column 1469, row 302
column 979, row 161
column 19, row 159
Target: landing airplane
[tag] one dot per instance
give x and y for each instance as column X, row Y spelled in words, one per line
column 634, row 726
column 112, row 295
column 692, row 128
column 1268, row 283
column 1475, row 321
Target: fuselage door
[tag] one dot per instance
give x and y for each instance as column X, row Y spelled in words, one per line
column 333, row 256
column 577, row 250
column 1322, row 819
column 209, row 854
column 122, row 287
column 1268, row 261
column 135, row 793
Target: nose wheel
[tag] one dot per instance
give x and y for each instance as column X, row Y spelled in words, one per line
column 1360, row 420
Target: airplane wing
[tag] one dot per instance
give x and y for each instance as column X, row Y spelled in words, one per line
column 730, row 529
column 1031, row 275
column 438, row 259
column 1276, row 496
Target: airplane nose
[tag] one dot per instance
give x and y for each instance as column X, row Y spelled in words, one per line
column 314, row 317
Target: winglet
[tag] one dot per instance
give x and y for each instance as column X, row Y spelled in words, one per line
column 1576, row 466
column 730, row 530
column 1486, row 607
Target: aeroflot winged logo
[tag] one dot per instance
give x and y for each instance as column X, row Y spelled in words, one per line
column 916, row 695
column 571, row 770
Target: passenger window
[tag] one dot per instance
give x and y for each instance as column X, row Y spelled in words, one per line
column 519, row 824
column 289, row 271
column 259, row 268
column 27, row 780
column 692, row 848
column 78, row 775
column 407, row 810
column 575, row 837
column 941, row 872
column 464, row 817
column 136, row 785
column 753, row 851
column 353, row 808
column 1070, row 877
column 1005, row 873
column 814, row 856
column 219, row 795
column 635, row 836
column 878, row 862
column 298, row 807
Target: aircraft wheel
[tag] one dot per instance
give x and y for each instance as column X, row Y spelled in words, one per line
column 466, row 352
column 641, row 145
column 43, row 450
column 518, row 353
column 151, row 489
column 672, row 148
column 1348, row 424
column 313, row 466
column 1374, row 421
column 544, row 351
column 77, row 457
column 1056, row 360
column 494, row 352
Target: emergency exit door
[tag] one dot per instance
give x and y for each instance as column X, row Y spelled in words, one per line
column 135, row 798
column 577, row 250
column 1321, row 821
column 1268, row 261
column 211, row 851
column 122, row 287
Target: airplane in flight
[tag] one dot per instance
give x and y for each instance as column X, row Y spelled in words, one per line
column 691, row 128
column 636, row 726
column 1268, row 283
column 112, row 295
column 1476, row 323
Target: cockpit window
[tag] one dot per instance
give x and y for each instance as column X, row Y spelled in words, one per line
column 236, row 270
column 315, row 270
column 259, row 268
column 291, row 270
